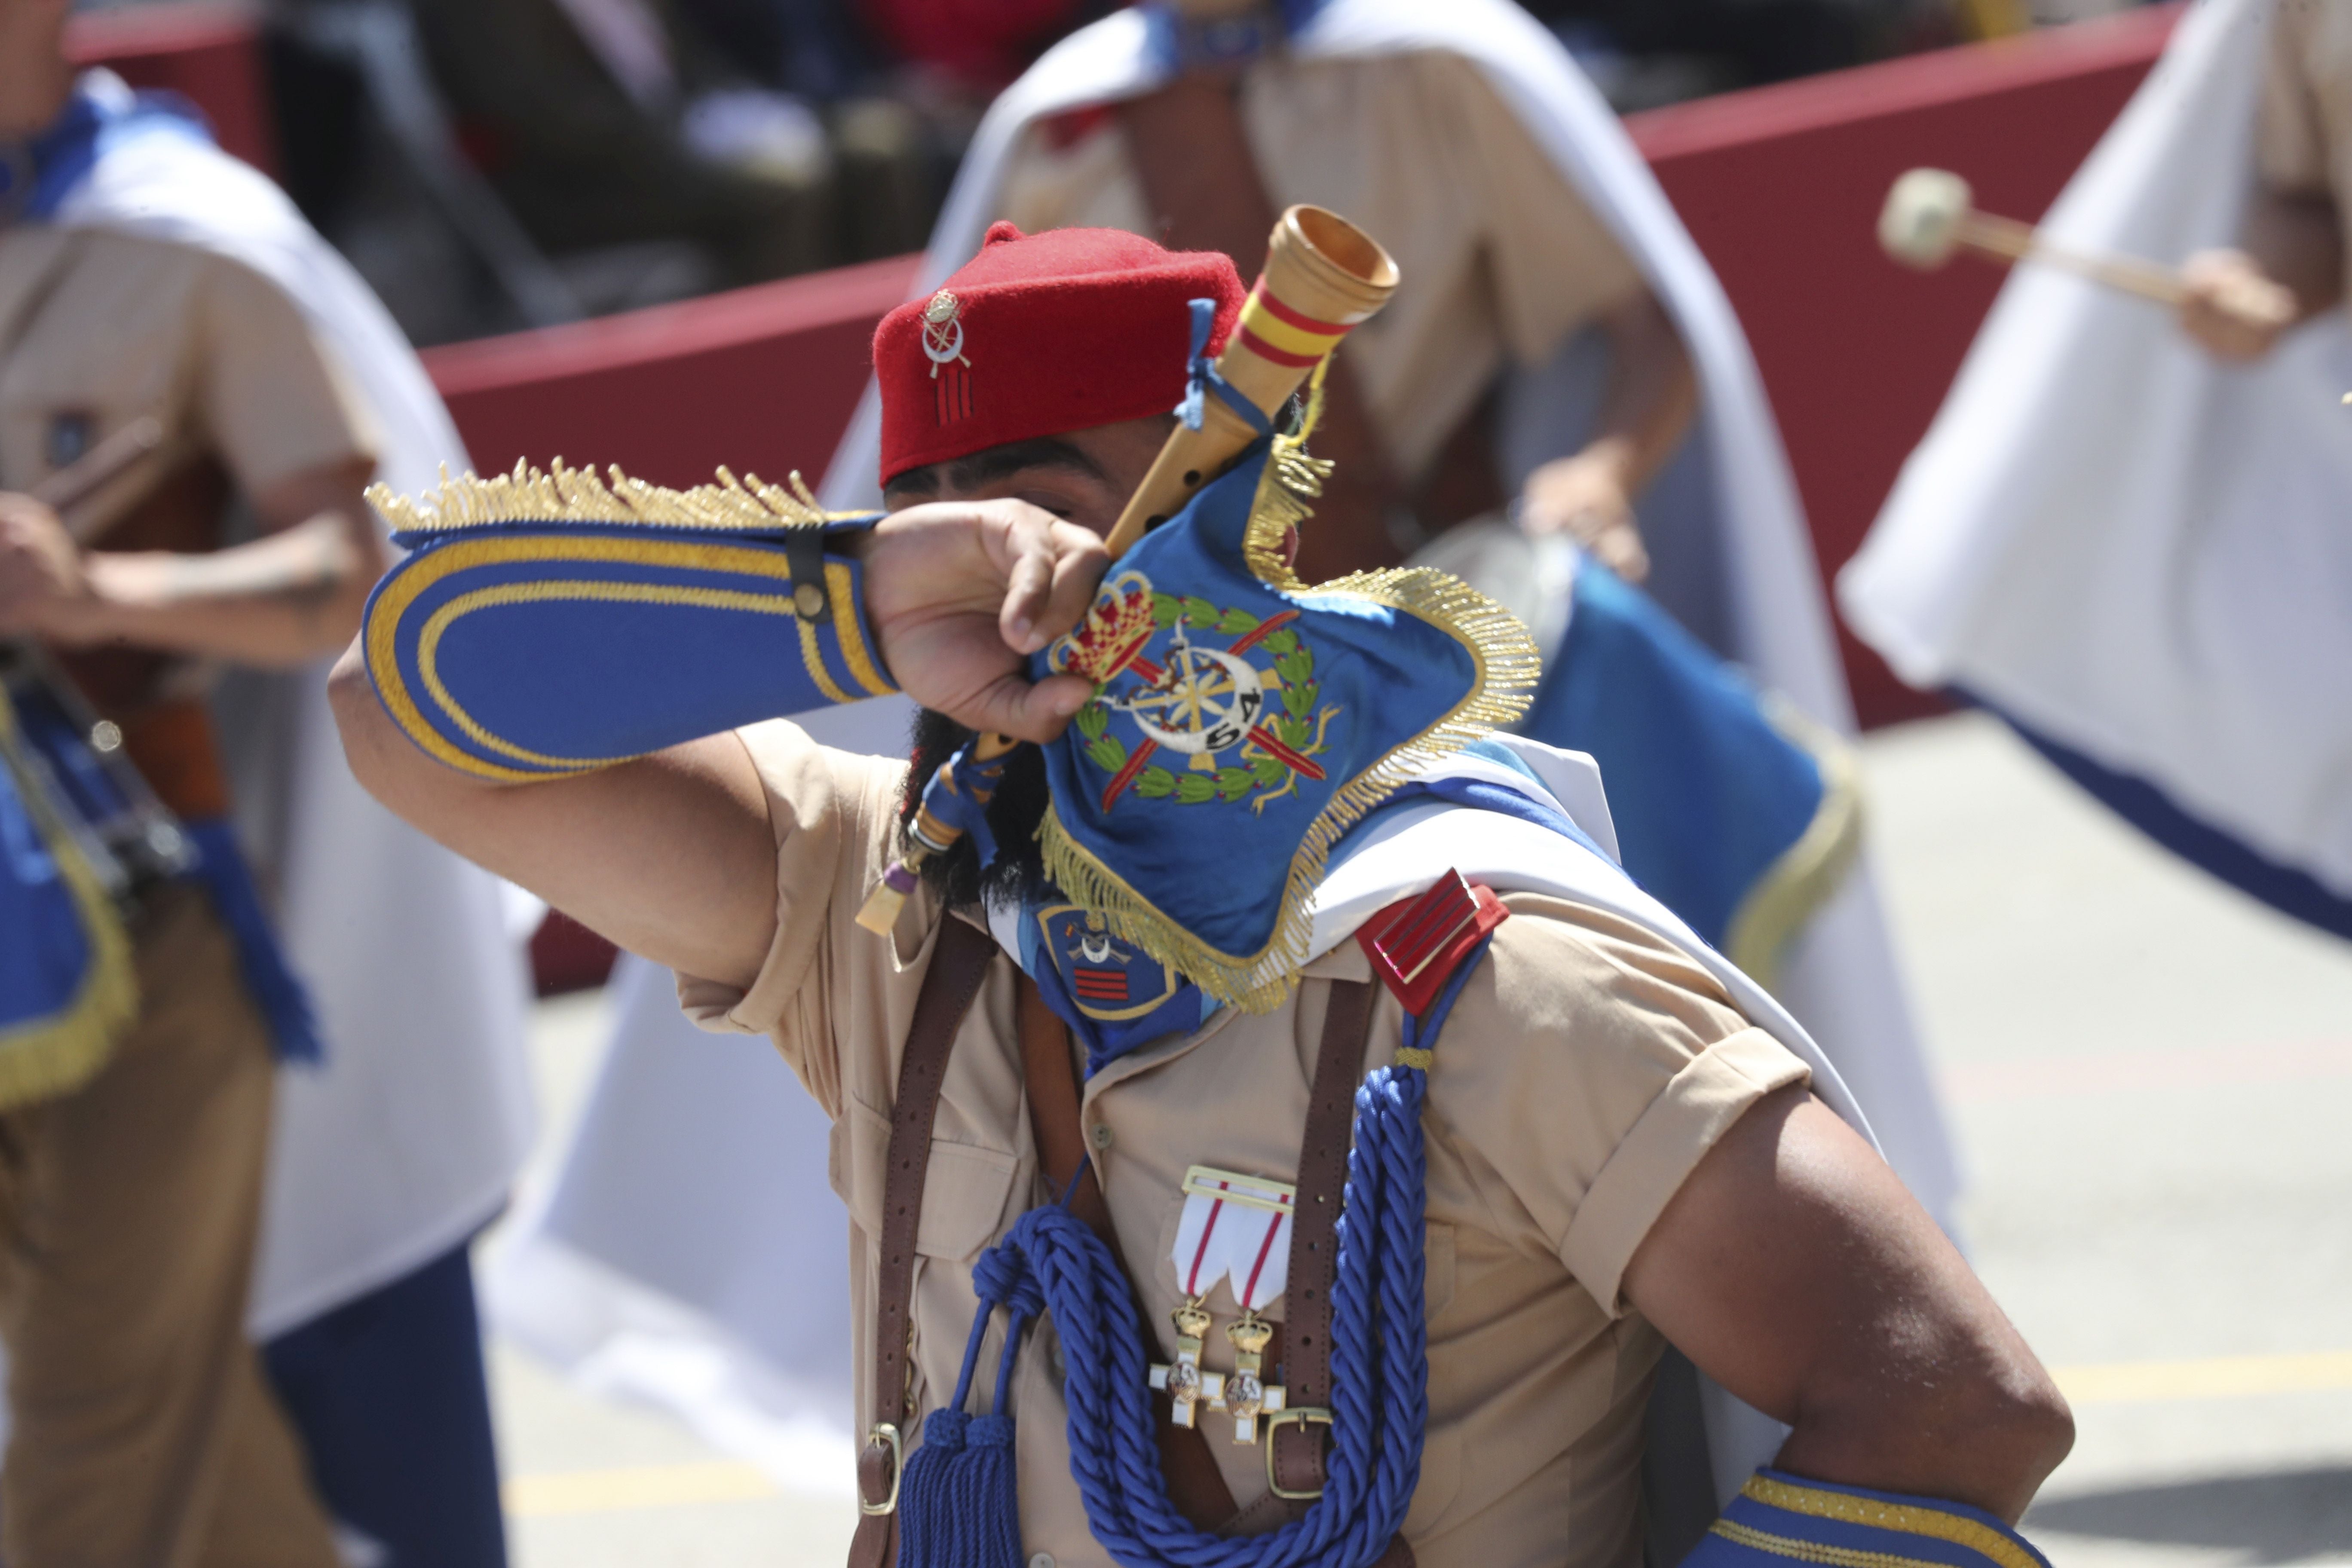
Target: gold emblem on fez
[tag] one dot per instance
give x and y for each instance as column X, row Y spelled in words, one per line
column 943, row 332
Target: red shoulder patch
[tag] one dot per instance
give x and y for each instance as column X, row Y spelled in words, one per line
column 1416, row 944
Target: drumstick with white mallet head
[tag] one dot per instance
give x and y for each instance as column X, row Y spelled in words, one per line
column 1931, row 213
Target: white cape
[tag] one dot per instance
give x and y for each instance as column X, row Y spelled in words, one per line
column 404, row 1141
column 2126, row 544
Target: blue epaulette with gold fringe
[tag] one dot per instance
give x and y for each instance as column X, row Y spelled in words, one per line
column 550, row 623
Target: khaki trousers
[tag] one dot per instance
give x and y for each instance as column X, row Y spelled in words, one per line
column 144, row 1434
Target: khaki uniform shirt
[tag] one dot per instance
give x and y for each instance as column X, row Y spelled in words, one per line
column 1585, row 1070
column 1501, row 258
column 98, row 329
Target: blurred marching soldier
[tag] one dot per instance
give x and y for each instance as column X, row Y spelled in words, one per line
column 194, row 389
column 2123, row 532
column 1139, row 1033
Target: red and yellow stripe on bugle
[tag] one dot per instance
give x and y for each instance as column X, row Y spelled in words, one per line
column 1274, row 332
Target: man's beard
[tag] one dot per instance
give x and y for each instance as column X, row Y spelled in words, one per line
column 1014, row 814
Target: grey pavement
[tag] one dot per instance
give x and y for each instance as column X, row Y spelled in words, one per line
column 2150, row 1079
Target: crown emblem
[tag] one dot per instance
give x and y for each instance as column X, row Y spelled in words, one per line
column 1123, row 619
column 943, row 331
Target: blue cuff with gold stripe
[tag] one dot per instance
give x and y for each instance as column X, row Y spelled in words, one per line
column 1779, row 1518
column 548, row 624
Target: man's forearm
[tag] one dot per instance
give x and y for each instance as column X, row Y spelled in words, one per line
column 279, row 601
column 1653, row 391
column 670, row 856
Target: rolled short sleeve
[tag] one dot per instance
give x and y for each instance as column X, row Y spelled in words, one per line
column 1591, row 1066
column 275, row 398
column 1555, row 264
column 832, row 814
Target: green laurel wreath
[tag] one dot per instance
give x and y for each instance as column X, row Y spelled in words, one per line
column 1293, row 661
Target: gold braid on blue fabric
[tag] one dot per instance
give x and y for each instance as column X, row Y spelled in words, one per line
column 1779, row 1520
column 547, row 624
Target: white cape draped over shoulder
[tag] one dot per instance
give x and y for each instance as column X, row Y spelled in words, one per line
column 403, row 1142
column 2122, row 542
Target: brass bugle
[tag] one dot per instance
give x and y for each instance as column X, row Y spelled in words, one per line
column 1323, row 275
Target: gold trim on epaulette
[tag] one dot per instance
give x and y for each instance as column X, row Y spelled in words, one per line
column 1910, row 1519
column 381, row 634
column 563, row 494
column 1804, row 1551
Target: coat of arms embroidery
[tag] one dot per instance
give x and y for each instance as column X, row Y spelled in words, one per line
column 1194, row 702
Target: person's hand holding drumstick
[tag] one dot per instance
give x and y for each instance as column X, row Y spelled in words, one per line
column 2237, row 303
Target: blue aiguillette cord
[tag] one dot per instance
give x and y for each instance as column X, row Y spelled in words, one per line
column 959, row 1507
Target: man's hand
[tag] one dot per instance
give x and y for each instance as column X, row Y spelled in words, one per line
column 2233, row 308
column 43, row 590
column 1589, row 496
column 959, row 594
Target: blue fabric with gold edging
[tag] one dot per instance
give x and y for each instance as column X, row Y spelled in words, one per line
column 1242, row 721
column 67, row 984
column 546, row 624
column 1730, row 809
column 1778, row 1518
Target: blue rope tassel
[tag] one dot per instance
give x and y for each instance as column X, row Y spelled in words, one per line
column 958, row 1502
column 1380, row 1373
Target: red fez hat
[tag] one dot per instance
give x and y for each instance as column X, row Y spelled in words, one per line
column 1043, row 333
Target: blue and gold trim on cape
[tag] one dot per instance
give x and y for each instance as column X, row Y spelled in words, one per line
column 1732, row 808
column 1242, row 721
column 69, row 986
column 547, row 624
column 1778, row 1519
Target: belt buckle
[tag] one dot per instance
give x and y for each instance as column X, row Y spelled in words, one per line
column 885, row 1434
column 1303, row 1415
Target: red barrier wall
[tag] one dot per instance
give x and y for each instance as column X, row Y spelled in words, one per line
column 210, row 53
column 760, row 379
column 1781, row 187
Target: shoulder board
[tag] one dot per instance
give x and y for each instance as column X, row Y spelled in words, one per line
column 1416, row 944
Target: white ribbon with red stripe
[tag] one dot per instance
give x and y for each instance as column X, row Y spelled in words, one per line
column 1233, row 1227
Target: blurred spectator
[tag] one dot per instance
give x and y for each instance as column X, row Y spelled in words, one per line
column 606, row 121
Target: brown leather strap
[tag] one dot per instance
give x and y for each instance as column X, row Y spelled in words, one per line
column 1201, row 177
column 1195, row 1485
column 1051, row 1080
column 174, row 746
column 959, row 962
column 1313, row 1241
